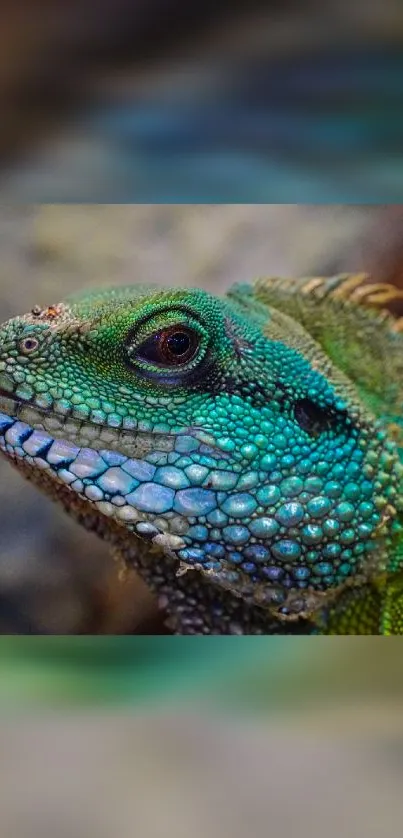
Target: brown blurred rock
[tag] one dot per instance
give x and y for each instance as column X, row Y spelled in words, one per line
column 49, row 50
column 54, row 52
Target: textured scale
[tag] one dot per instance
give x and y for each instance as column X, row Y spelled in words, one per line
column 242, row 454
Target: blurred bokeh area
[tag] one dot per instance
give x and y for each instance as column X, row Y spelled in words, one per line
column 172, row 101
column 285, row 736
column 167, row 101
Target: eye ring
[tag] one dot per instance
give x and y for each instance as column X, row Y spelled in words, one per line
column 178, row 344
column 172, row 346
column 29, row 345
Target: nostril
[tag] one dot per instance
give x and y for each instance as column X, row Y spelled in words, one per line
column 28, row 345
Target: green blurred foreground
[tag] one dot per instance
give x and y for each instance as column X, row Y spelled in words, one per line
column 230, row 737
column 253, row 674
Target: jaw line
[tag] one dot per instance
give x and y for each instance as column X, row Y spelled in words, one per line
column 47, row 474
column 133, row 442
column 84, row 433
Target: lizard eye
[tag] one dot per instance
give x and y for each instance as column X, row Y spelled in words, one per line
column 172, row 346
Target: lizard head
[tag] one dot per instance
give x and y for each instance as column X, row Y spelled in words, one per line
column 212, row 428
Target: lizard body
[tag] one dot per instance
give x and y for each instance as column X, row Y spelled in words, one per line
column 242, row 453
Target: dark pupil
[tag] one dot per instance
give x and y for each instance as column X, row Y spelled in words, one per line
column 178, row 344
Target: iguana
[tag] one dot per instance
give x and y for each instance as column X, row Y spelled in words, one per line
column 243, row 453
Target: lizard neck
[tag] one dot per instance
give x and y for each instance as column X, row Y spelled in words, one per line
column 191, row 602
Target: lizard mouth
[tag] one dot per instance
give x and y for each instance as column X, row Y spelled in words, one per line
column 132, row 442
column 83, row 433
column 122, row 475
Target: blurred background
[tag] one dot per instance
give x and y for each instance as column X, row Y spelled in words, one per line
column 100, row 775
column 172, row 101
column 167, row 101
column 54, row 577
